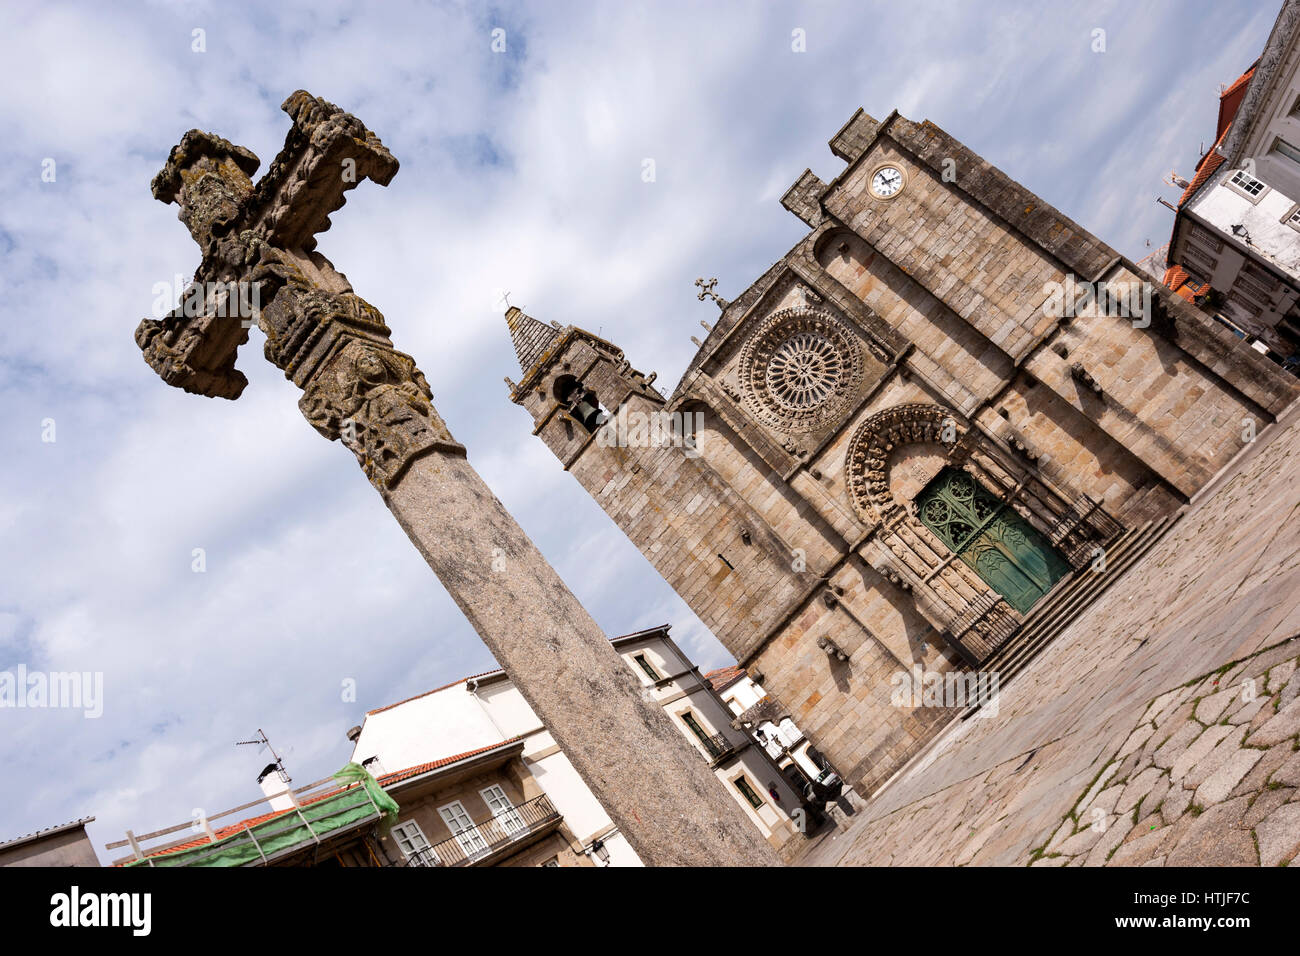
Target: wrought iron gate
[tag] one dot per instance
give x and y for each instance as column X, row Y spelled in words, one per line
column 991, row 538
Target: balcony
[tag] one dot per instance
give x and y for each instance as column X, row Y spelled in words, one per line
column 485, row 843
column 718, row 748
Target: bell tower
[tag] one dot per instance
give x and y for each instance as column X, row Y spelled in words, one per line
column 611, row 430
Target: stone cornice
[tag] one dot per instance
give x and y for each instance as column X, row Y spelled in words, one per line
column 1281, row 43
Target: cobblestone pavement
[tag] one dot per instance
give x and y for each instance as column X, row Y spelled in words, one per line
column 1209, row 776
column 1127, row 695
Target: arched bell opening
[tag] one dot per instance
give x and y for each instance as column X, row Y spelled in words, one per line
column 581, row 403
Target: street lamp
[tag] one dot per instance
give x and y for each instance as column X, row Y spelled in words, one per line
column 601, row 851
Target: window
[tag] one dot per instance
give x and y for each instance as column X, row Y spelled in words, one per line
column 1283, row 148
column 553, row 861
column 1207, row 238
column 1292, row 217
column 714, row 745
column 1246, row 184
column 503, row 811
column 748, row 793
column 647, row 667
column 411, row 841
column 1198, row 259
column 463, row 829
column 689, row 720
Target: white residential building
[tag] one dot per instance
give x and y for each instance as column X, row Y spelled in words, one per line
column 487, row 709
column 1235, row 246
column 467, row 716
column 784, row 742
column 749, row 773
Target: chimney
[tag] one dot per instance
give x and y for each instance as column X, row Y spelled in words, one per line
column 273, row 780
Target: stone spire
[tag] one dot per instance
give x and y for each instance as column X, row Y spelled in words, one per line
column 530, row 336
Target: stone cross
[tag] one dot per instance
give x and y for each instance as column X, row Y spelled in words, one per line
column 260, row 239
column 706, row 292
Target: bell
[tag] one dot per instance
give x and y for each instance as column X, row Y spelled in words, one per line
column 587, row 414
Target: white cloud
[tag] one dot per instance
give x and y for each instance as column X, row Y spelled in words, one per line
column 520, row 171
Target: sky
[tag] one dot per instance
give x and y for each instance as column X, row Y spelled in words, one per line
column 521, row 172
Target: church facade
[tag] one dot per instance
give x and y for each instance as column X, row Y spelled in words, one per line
column 937, row 408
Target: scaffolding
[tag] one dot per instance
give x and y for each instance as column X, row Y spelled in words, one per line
column 343, row 802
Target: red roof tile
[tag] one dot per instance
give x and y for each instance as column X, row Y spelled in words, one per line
column 232, row 829
column 724, row 677
column 385, row 780
column 1175, row 276
column 1204, row 170
column 1230, row 99
column 1179, row 280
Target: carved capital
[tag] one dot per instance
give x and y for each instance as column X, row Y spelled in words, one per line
column 378, row 403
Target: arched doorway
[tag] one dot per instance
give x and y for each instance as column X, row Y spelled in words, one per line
column 990, row 538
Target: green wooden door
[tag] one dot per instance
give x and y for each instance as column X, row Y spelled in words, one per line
column 1000, row 546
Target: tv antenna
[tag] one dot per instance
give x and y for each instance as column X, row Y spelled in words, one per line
column 261, row 740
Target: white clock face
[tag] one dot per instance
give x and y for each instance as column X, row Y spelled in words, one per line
column 886, row 181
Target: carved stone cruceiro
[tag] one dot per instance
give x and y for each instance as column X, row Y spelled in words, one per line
column 357, row 388
column 328, row 340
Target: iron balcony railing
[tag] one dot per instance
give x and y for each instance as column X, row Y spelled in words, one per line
column 718, row 746
column 482, row 840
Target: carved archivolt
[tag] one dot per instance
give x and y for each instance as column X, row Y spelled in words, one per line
column 978, row 618
column 868, row 454
column 799, row 369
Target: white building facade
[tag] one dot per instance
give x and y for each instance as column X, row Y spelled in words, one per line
column 747, row 771
column 778, row 734
column 1237, row 228
column 488, row 709
column 478, row 712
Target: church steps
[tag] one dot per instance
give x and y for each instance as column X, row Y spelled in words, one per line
column 1047, row 622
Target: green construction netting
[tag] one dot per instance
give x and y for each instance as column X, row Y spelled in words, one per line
column 323, row 817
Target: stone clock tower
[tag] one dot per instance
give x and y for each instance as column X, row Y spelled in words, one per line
column 931, row 415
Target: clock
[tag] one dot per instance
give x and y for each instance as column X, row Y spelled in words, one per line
column 886, row 182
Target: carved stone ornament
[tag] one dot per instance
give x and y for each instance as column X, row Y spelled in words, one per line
column 799, row 369
column 866, row 461
column 378, row 403
column 329, row 341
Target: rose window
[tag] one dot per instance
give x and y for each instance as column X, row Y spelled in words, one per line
column 804, row 371
column 799, row 370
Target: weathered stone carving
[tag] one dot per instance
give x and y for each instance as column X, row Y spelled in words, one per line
column 379, row 404
column 327, row 340
column 799, row 369
column 869, row 448
column 966, row 608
